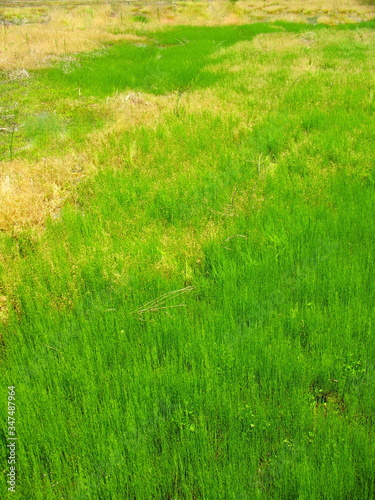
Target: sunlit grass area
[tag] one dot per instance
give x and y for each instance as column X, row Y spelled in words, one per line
column 187, row 300
column 33, row 33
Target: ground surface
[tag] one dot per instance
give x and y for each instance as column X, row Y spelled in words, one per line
column 186, row 250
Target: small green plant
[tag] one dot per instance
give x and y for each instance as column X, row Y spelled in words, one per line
column 9, row 126
column 141, row 18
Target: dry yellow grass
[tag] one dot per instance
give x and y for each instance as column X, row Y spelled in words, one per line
column 36, row 45
column 132, row 109
column 81, row 28
column 31, row 191
column 4, row 312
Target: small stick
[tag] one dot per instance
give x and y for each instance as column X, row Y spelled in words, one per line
column 234, row 236
column 49, row 347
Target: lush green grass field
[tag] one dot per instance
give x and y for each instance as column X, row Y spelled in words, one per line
column 198, row 323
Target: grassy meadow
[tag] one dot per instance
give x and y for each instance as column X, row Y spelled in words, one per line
column 187, row 253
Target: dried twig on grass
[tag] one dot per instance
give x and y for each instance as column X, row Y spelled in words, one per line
column 234, row 236
column 161, row 303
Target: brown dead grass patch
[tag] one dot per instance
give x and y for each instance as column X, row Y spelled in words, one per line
column 32, row 191
column 134, row 109
column 32, row 47
column 78, row 30
column 87, row 27
column 4, row 312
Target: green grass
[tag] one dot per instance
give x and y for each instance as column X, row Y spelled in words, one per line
column 259, row 381
column 172, row 60
column 43, row 122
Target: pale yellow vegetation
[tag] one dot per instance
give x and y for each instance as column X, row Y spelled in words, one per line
column 37, row 45
column 69, row 28
column 32, row 191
